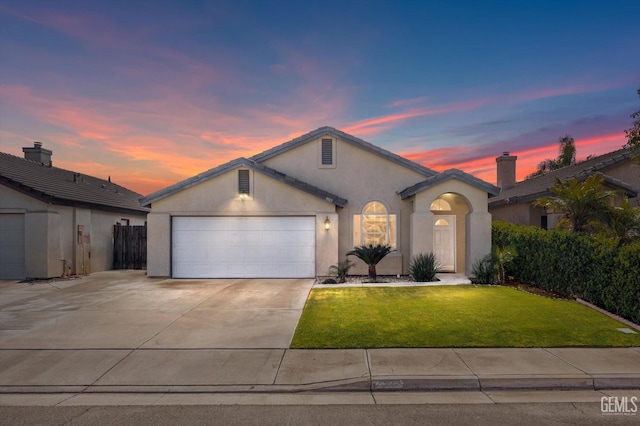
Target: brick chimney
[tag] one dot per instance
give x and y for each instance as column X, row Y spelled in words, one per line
column 38, row 154
column 506, row 168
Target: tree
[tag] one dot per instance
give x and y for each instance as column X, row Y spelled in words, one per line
column 624, row 222
column 581, row 202
column 371, row 255
column 566, row 157
column 633, row 135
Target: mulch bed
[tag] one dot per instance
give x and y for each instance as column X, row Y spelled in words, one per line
column 532, row 289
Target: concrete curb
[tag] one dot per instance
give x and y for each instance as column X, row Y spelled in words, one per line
column 376, row 384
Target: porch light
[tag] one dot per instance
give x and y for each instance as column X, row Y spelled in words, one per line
column 244, row 196
column 327, row 224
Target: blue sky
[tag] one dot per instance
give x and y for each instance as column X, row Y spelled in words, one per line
column 152, row 92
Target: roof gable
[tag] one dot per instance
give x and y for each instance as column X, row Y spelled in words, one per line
column 248, row 163
column 446, row 176
column 530, row 189
column 362, row 144
column 64, row 187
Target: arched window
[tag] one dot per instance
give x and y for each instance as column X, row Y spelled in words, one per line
column 375, row 226
column 440, row 205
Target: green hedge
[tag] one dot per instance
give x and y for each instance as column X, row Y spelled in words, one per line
column 592, row 268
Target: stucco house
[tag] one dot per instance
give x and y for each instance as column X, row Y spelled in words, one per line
column 515, row 201
column 55, row 221
column 295, row 209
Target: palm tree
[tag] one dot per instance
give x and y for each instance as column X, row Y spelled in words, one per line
column 624, row 222
column 581, row 202
column 371, row 255
column 566, row 157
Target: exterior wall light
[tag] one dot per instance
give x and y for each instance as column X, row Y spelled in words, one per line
column 244, row 196
column 327, row 224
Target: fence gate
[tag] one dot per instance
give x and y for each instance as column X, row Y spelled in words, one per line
column 129, row 247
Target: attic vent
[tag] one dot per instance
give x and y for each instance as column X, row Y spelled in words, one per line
column 327, row 152
column 244, row 183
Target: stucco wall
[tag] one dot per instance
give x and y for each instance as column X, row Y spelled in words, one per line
column 51, row 235
column 360, row 177
column 219, row 197
column 473, row 222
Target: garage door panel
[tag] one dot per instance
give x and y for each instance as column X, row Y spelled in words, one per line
column 12, row 246
column 243, row 247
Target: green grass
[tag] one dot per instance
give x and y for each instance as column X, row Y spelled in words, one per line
column 450, row 316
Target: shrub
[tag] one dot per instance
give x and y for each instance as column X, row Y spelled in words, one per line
column 371, row 255
column 594, row 268
column 484, row 271
column 341, row 270
column 329, row 281
column 423, row 267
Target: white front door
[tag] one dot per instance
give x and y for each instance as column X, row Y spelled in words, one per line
column 444, row 242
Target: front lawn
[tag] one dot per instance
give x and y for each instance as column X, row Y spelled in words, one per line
column 450, row 316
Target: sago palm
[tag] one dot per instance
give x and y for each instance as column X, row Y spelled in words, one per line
column 371, row 255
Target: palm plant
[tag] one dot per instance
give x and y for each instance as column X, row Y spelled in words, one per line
column 371, row 255
column 341, row 270
column 581, row 202
column 624, row 222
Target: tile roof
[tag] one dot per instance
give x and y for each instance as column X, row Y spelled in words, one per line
column 322, row 131
column 448, row 175
column 530, row 189
column 251, row 164
column 64, row 187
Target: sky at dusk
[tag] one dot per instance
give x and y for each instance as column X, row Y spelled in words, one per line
column 153, row 92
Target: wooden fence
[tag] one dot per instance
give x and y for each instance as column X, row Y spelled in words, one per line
column 129, row 247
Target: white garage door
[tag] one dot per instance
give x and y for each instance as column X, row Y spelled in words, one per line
column 243, row 247
column 11, row 246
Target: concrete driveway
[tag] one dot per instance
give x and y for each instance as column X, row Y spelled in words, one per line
column 127, row 310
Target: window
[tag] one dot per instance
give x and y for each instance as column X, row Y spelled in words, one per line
column 244, row 183
column 375, row 226
column 440, row 205
column 442, row 222
column 327, row 153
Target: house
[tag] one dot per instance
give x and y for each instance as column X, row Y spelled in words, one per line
column 297, row 208
column 515, row 201
column 54, row 221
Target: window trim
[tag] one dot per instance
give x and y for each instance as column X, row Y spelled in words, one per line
column 387, row 215
column 333, row 153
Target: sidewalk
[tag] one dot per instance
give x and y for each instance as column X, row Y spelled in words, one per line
column 291, row 371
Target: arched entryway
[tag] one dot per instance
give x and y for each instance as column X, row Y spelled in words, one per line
column 449, row 230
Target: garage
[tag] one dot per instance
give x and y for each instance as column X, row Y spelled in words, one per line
column 11, row 246
column 243, row 247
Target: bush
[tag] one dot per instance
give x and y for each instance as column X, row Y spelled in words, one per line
column 593, row 268
column 484, row 271
column 423, row 268
column 329, row 281
column 341, row 270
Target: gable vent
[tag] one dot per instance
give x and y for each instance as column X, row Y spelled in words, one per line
column 244, row 186
column 327, row 152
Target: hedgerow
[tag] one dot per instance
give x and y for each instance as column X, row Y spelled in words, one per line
column 593, row 268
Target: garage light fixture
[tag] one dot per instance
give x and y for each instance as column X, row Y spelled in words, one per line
column 327, row 224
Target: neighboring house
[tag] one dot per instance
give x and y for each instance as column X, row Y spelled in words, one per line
column 515, row 201
column 54, row 221
column 298, row 208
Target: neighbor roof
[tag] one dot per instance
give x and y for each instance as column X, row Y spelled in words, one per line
column 323, row 131
column 64, row 187
column 251, row 164
column 448, row 175
column 530, row 189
